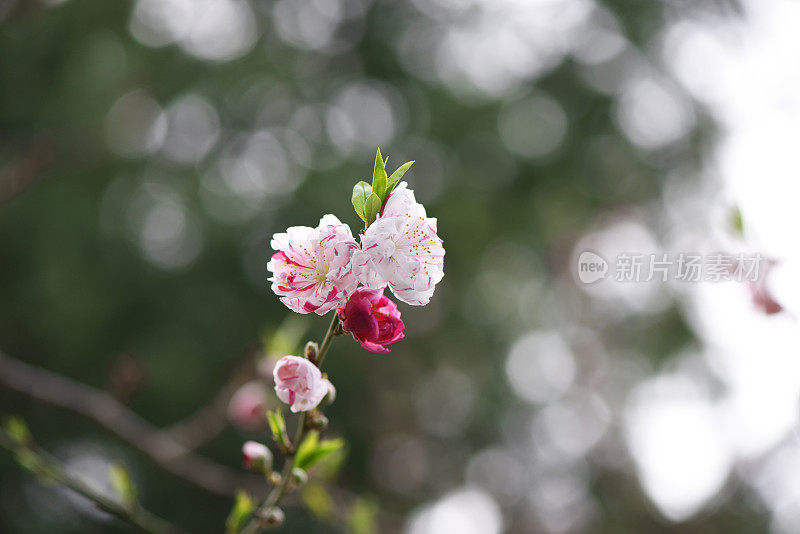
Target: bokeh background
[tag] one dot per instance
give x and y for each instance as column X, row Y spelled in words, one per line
column 150, row 148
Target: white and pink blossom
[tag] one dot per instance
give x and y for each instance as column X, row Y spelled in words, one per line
column 312, row 269
column 299, row 383
column 401, row 249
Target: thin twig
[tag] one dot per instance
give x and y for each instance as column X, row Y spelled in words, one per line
column 157, row 444
column 99, row 406
column 262, row 512
column 52, row 470
column 333, row 330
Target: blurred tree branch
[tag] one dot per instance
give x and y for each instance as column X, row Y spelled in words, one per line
column 159, row 445
column 170, row 448
column 260, row 518
column 50, row 470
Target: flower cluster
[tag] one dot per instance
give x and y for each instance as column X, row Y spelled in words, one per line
column 323, row 269
column 316, row 270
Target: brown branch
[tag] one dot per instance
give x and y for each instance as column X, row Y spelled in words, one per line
column 161, row 446
column 102, row 408
column 50, row 470
column 256, row 523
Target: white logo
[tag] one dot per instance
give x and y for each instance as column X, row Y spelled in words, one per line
column 591, row 267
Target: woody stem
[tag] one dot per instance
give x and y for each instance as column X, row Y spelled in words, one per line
column 255, row 524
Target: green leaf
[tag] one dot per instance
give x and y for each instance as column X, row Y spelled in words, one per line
column 372, row 208
column 319, row 502
column 361, row 517
column 18, row 430
column 394, row 179
column 121, row 482
column 379, row 178
column 306, row 449
column 277, row 425
column 329, row 468
column 361, row 191
column 29, row 460
column 313, row 451
column 242, row 509
column 737, row 222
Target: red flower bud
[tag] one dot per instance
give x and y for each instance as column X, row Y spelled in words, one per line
column 373, row 319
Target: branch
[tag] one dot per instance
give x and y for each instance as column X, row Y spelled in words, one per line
column 102, row 408
column 161, row 446
column 50, row 469
column 263, row 511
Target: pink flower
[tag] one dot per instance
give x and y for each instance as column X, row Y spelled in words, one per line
column 312, row 270
column 256, row 456
column 401, row 248
column 761, row 294
column 248, row 406
column 373, row 319
column 763, row 299
column 299, row 382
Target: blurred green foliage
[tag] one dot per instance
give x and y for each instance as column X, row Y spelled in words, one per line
column 79, row 288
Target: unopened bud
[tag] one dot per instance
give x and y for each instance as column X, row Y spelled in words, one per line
column 316, row 421
column 274, row 478
column 299, row 477
column 274, row 518
column 311, row 351
column 256, row 457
